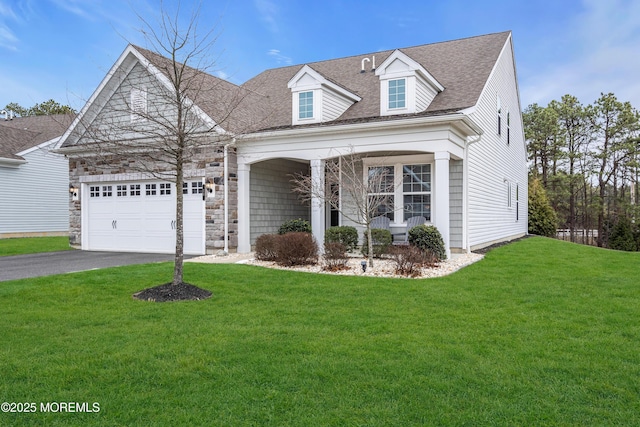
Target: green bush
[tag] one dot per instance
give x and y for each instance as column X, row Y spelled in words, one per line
column 622, row 236
column 382, row 239
column 428, row 239
column 295, row 226
column 543, row 220
column 346, row 235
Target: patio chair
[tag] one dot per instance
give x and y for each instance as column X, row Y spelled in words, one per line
column 411, row 222
column 382, row 222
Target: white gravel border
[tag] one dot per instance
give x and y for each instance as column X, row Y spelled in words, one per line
column 381, row 267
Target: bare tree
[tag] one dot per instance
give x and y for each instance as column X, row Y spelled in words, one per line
column 359, row 195
column 159, row 123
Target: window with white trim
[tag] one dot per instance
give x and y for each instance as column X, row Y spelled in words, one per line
column 305, row 105
column 416, row 190
column 508, row 194
column 508, row 128
column 134, row 189
column 381, row 190
column 406, row 198
column 121, row 190
column 165, row 189
column 397, row 94
column 196, row 187
column 107, row 191
column 94, row 191
column 150, row 189
column 499, row 112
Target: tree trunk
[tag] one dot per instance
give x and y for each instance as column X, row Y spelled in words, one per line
column 178, row 265
column 370, row 245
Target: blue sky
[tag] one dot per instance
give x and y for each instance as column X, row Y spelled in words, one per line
column 62, row 49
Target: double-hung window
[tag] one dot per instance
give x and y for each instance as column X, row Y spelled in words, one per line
column 380, row 182
column 397, row 200
column 305, row 106
column 416, row 190
column 397, row 94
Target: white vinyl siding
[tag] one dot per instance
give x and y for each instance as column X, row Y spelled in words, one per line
column 492, row 161
column 34, row 197
column 333, row 105
column 424, row 94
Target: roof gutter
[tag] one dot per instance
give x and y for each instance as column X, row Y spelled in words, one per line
column 12, row 163
column 459, row 117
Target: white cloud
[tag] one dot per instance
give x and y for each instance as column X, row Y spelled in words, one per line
column 268, row 13
column 8, row 39
column 604, row 41
column 279, row 57
column 74, row 6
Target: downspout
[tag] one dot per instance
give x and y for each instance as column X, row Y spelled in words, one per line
column 466, row 189
column 226, row 194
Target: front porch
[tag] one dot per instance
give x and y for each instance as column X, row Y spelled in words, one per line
column 425, row 184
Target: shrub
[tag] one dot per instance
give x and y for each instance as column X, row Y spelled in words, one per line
column 346, row 235
column 295, row 226
column 622, row 237
column 266, row 247
column 296, row 248
column 428, row 238
column 408, row 260
column 335, row 256
column 543, row 220
column 381, row 241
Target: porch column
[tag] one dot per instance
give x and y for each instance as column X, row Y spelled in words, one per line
column 244, row 208
column 441, row 199
column 318, row 218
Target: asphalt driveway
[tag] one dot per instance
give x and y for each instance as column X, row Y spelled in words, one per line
column 45, row 264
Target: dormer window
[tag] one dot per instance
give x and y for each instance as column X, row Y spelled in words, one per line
column 405, row 85
column 305, row 107
column 397, row 94
column 316, row 99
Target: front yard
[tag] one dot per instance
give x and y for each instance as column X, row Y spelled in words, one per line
column 33, row 245
column 540, row 332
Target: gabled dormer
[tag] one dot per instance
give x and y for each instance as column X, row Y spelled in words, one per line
column 405, row 86
column 316, row 99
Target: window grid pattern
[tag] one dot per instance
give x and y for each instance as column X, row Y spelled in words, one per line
column 305, row 107
column 381, row 190
column 107, row 190
column 416, row 191
column 134, row 189
column 121, row 190
column 397, row 93
column 150, row 189
column 165, row 189
column 94, row 191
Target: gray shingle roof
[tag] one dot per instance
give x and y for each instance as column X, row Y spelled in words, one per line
column 23, row 133
column 461, row 66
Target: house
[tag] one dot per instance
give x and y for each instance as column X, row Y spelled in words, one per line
column 443, row 119
column 34, row 195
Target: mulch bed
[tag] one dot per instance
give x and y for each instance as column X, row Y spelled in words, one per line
column 171, row 292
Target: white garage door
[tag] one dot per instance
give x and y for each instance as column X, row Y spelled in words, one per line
column 140, row 217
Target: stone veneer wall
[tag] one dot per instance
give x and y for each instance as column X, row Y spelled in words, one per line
column 208, row 162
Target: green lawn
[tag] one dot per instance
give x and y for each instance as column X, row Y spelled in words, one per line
column 540, row 332
column 32, row 245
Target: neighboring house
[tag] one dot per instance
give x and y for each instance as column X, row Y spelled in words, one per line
column 443, row 118
column 34, row 190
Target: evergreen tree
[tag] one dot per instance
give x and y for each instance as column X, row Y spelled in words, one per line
column 543, row 220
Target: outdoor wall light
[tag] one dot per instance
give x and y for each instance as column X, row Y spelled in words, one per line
column 73, row 190
column 209, row 187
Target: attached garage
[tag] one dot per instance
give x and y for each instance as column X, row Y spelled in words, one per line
column 139, row 216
